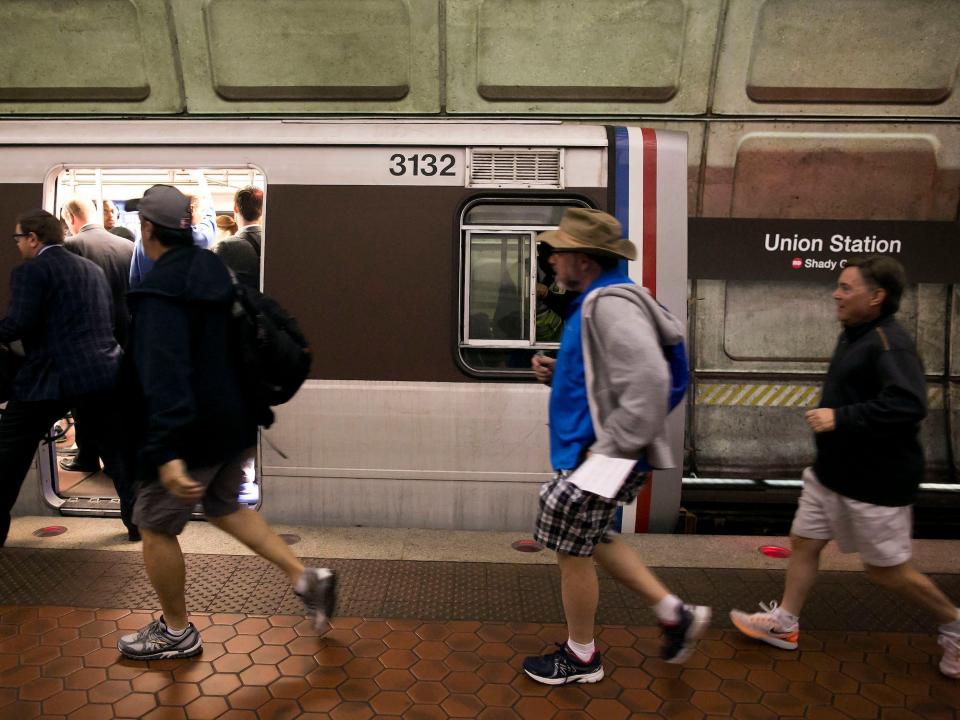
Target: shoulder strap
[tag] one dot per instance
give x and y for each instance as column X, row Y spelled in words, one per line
column 253, row 243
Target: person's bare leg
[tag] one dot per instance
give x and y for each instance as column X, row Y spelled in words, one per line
column 910, row 583
column 626, row 567
column 802, row 572
column 580, row 591
column 164, row 563
column 252, row 530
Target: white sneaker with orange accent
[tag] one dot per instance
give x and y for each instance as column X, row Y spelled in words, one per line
column 766, row 626
column 950, row 662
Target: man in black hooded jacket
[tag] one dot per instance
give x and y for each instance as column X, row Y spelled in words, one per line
column 869, row 463
column 194, row 428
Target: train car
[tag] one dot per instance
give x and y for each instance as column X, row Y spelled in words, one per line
column 407, row 252
column 795, row 111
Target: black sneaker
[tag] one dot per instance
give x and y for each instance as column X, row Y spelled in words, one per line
column 563, row 666
column 680, row 638
column 318, row 593
column 154, row 642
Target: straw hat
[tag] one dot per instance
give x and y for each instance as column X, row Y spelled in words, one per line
column 590, row 231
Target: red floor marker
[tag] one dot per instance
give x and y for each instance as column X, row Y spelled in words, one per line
column 527, row 545
column 50, row 531
column 775, row 551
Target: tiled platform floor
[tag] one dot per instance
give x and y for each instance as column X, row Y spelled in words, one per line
column 61, row 662
column 454, row 649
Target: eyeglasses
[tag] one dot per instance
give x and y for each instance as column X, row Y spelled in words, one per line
column 17, row 236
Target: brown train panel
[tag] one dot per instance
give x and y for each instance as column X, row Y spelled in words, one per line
column 370, row 273
column 15, row 198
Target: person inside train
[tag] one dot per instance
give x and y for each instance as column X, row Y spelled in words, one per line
column 112, row 254
column 553, row 301
column 203, row 223
column 241, row 252
column 61, row 309
column 193, row 427
column 861, row 488
column 110, row 222
column 614, row 371
column 226, row 227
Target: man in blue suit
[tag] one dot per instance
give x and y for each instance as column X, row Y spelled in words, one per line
column 61, row 310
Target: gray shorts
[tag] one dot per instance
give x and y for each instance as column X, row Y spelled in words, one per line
column 881, row 534
column 159, row 511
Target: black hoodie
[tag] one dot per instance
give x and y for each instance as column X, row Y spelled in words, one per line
column 876, row 386
column 181, row 375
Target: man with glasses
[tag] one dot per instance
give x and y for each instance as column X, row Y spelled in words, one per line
column 61, row 310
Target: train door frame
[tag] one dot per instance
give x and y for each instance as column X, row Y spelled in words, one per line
column 109, row 506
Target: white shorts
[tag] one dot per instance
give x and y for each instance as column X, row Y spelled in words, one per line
column 881, row 534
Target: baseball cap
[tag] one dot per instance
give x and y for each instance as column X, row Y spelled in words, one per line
column 165, row 206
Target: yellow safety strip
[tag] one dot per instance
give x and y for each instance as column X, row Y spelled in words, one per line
column 778, row 395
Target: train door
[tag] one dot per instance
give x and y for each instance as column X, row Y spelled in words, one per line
column 72, row 476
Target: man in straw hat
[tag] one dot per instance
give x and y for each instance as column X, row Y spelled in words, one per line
column 610, row 394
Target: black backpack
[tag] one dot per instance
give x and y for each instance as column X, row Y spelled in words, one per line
column 273, row 353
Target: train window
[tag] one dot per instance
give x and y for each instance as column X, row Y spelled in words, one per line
column 510, row 306
column 83, row 486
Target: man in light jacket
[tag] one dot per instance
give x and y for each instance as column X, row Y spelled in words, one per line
column 608, row 404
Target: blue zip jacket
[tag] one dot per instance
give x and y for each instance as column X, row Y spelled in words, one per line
column 571, row 429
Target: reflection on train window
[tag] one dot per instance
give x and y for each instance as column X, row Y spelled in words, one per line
column 499, row 287
column 511, row 306
column 87, row 489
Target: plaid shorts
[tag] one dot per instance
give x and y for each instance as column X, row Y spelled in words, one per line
column 573, row 521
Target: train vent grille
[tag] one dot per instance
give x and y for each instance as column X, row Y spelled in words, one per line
column 516, row 167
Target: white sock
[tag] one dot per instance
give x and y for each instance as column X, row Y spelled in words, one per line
column 301, row 585
column 668, row 609
column 584, row 651
column 175, row 633
column 952, row 628
column 785, row 620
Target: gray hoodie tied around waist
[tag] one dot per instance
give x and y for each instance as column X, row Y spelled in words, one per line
column 627, row 377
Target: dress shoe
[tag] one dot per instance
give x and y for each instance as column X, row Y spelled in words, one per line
column 133, row 534
column 71, row 464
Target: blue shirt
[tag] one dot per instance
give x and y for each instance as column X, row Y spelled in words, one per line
column 203, row 234
column 571, row 428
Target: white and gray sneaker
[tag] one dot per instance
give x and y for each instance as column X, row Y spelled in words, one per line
column 156, row 642
column 317, row 588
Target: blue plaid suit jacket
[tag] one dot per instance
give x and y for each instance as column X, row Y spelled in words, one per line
column 60, row 307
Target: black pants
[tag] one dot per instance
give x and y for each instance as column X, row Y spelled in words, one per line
column 88, row 445
column 24, row 424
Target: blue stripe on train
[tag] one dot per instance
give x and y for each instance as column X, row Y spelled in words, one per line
column 621, row 211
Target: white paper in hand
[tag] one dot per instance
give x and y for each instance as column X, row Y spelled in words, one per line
column 602, row 475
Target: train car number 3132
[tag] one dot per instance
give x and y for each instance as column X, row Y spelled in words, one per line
column 425, row 164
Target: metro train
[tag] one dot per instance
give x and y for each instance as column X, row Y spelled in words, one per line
column 407, row 252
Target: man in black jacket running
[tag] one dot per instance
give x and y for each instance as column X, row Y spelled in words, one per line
column 192, row 425
column 869, row 463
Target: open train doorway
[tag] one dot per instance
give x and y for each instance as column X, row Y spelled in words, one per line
column 73, row 477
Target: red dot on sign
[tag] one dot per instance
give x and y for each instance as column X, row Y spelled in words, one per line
column 797, row 263
column 527, row 545
column 775, row 551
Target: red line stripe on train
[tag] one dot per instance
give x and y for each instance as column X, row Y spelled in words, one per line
column 649, row 279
